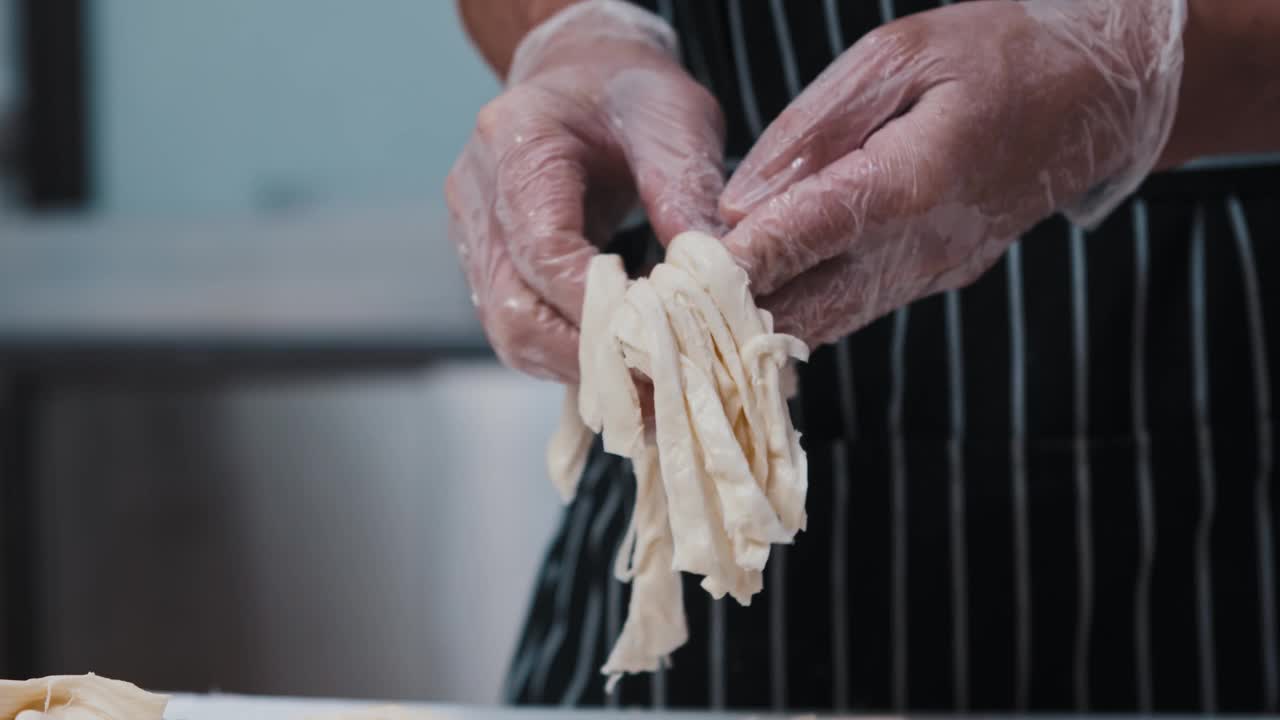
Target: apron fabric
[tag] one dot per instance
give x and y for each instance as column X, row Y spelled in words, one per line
column 1048, row 491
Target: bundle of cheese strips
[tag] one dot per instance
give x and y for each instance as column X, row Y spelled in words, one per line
column 720, row 475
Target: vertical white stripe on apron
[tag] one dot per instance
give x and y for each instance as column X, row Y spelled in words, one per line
column 587, row 660
column 898, row 379
column 777, row 627
column 844, row 363
column 613, row 621
column 835, row 34
column 839, row 531
column 1018, row 468
column 840, row 464
column 955, row 463
column 715, row 658
column 738, row 37
column 691, row 38
column 658, row 689
column 844, row 380
column 667, row 11
column 777, row 565
column 613, row 615
column 522, row 664
column 578, row 528
column 887, row 12
column 692, row 42
column 782, row 29
column 1142, row 462
column 1262, row 482
column 1084, row 524
column 959, row 555
column 897, row 382
column 519, row 675
column 1204, row 455
column 839, row 572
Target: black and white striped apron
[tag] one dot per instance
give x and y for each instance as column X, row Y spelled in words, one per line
column 1047, row 491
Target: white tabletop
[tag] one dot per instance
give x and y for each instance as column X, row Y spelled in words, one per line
column 241, row 707
column 225, row 707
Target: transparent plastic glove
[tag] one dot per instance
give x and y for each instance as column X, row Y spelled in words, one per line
column 597, row 113
column 921, row 153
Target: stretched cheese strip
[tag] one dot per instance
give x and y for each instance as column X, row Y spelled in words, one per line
column 709, row 264
column 681, row 470
column 703, row 256
column 706, row 260
column 706, row 415
column 788, row 480
column 606, row 285
column 621, row 420
column 737, row 392
column 568, row 449
column 655, row 624
column 748, row 518
column 600, row 362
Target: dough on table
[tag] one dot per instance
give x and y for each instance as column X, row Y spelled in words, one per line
column 78, row 697
column 381, row 712
column 720, row 475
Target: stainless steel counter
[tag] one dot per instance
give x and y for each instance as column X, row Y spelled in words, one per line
column 240, row 707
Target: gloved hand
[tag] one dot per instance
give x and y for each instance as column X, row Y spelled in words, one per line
column 921, row 153
column 597, row 111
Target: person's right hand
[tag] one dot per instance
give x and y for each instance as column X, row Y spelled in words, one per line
column 597, row 112
column 924, row 151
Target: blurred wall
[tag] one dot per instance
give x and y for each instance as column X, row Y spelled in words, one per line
column 344, row 537
column 8, row 52
column 236, row 105
column 317, row 537
column 8, row 99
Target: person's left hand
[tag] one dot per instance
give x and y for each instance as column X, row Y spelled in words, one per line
column 922, row 152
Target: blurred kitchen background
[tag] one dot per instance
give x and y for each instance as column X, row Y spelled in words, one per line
column 253, row 440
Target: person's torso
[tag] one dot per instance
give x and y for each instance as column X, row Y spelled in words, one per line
column 1048, row 490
